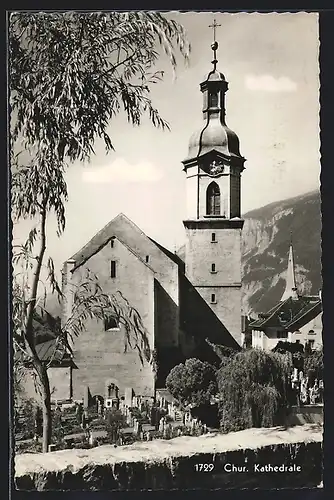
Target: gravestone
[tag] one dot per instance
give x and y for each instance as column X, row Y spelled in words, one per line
column 162, row 425
column 128, row 396
column 99, row 408
column 86, row 397
column 111, row 399
column 83, row 420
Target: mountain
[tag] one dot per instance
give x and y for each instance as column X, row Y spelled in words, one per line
column 266, row 238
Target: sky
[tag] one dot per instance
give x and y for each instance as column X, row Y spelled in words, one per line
column 271, row 64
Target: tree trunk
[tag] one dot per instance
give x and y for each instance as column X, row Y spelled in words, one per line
column 46, row 407
column 30, row 339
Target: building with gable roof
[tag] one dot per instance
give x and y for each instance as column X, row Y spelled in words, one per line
column 295, row 318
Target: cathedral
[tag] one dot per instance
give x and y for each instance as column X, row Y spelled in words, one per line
column 188, row 301
column 185, row 299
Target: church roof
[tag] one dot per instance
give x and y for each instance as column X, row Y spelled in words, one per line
column 290, row 314
column 129, row 234
column 49, row 351
column 214, row 136
column 173, row 256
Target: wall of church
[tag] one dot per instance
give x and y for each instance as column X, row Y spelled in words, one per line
column 166, row 318
column 60, row 383
column 191, row 192
column 227, row 307
column 166, row 271
column 224, row 280
column 99, row 354
column 224, row 252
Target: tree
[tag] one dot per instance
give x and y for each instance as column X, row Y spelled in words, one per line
column 295, row 349
column 254, row 389
column 224, row 353
column 115, row 420
column 89, row 302
column 314, row 365
column 70, row 74
column 192, row 383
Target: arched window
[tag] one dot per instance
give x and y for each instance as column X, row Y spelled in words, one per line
column 213, row 199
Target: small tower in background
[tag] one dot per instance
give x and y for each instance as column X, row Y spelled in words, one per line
column 290, row 287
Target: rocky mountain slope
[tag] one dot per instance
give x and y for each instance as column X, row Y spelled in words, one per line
column 266, row 237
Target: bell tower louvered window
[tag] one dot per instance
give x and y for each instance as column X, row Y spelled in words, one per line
column 213, row 199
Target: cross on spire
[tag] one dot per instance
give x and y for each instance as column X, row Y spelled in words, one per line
column 214, row 45
column 214, row 26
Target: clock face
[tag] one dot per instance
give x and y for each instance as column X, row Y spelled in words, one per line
column 216, row 167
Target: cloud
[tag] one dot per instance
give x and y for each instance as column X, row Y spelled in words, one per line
column 268, row 83
column 122, row 171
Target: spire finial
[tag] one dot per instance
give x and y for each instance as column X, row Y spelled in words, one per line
column 214, row 45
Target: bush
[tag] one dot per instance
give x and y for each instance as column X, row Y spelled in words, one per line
column 254, row 390
column 115, row 420
column 296, row 350
column 142, row 417
column 314, row 365
column 193, row 382
column 24, row 419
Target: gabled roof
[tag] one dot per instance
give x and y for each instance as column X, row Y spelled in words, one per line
column 289, row 314
column 129, row 234
column 49, row 351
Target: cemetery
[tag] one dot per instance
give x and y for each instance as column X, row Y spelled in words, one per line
column 122, row 421
column 119, row 421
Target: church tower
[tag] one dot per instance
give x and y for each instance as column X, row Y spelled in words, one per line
column 290, row 287
column 213, row 227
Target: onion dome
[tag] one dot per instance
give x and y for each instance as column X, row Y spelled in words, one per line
column 214, row 134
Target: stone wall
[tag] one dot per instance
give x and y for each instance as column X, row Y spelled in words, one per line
column 308, row 414
column 175, row 464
